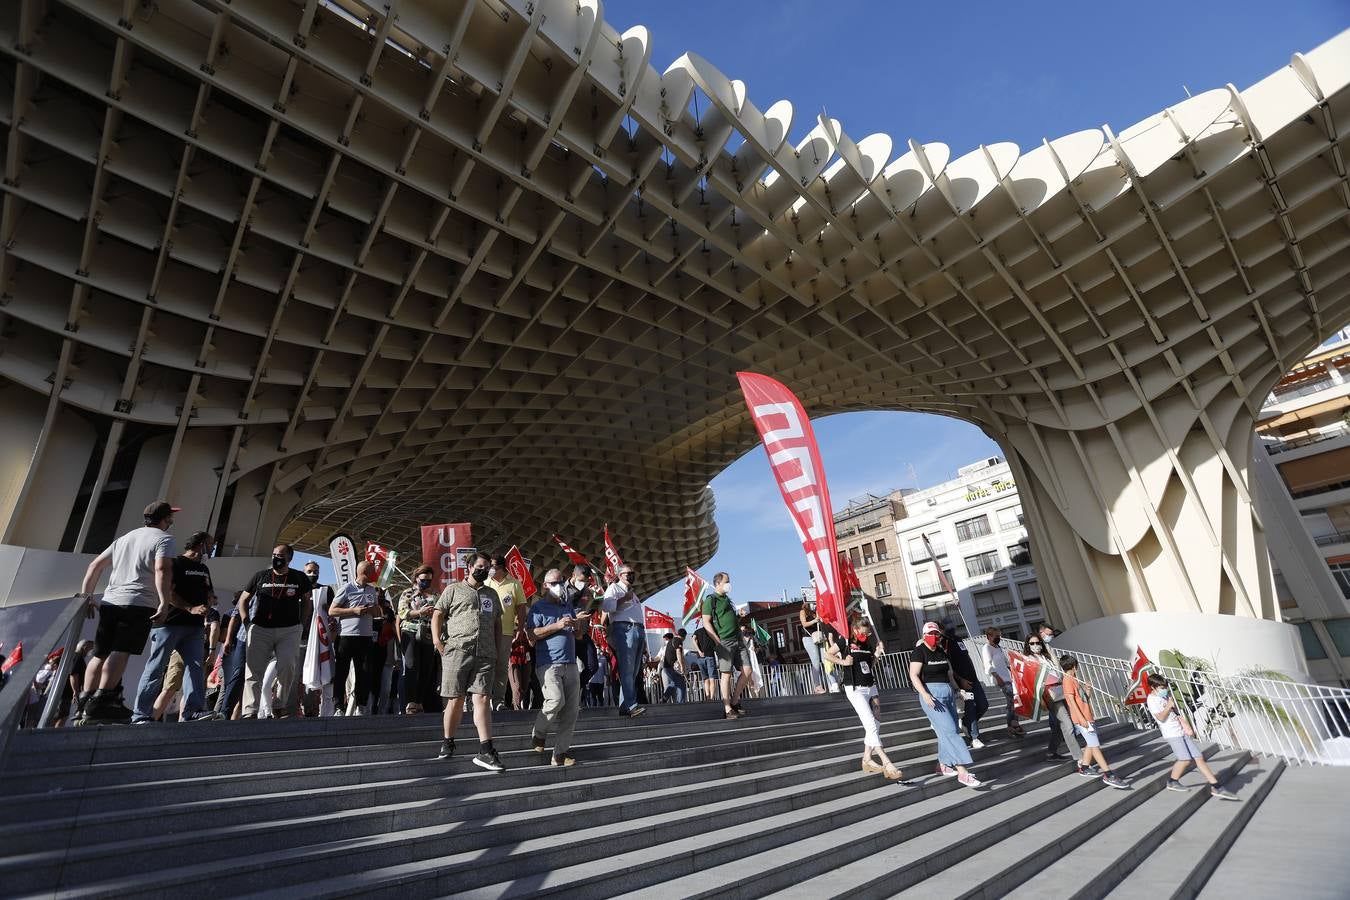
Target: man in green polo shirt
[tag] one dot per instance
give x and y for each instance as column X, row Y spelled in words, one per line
column 722, row 623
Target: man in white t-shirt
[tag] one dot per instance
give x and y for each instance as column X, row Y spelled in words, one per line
column 1178, row 733
column 140, row 591
column 627, row 636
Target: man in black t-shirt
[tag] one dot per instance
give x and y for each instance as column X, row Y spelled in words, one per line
column 672, row 667
column 707, row 662
column 273, row 605
column 180, row 631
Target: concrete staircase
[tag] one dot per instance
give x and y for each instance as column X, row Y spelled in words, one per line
column 676, row 803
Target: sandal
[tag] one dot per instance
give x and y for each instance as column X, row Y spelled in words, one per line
column 871, row 767
column 891, row 773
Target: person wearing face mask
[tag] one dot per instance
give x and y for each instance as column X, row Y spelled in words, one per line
column 139, row 592
column 273, row 605
column 1179, row 734
column 857, row 658
column 355, row 606
column 995, row 660
column 1061, row 725
column 513, row 608
column 552, row 626
column 628, row 637
column 465, row 626
column 723, row 626
column 930, row 671
column 420, row 675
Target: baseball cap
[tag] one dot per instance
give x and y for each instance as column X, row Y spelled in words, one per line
column 159, row 509
column 932, row 628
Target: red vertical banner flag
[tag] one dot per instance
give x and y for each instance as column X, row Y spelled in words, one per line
column 438, row 549
column 515, row 564
column 1138, row 692
column 573, row 556
column 848, row 575
column 794, row 456
column 613, row 562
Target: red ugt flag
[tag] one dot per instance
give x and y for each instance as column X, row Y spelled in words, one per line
column 613, row 563
column 794, row 456
column 573, row 556
column 14, row 658
column 1138, row 692
column 438, row 549
column 848, row 574
column 515, row 564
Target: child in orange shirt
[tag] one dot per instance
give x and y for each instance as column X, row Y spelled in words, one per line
column 1077, row 696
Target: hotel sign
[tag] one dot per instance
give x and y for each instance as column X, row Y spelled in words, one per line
column 997, row 486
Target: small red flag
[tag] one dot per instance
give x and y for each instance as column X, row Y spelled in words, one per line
column 695, row 589
column 1138, row 692
column 515, row 564
column 14, row 658
column 572, row 556
column 376, row 556
column 657, row 620
column 848, row 574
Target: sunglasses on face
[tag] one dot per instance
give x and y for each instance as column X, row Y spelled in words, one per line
column 1034, row 644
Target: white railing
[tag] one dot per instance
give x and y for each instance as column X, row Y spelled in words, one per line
column 1300, row 723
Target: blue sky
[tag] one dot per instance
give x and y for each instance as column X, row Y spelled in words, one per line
column 963, row 74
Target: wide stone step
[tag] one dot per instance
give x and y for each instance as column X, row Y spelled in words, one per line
column 435, row 852
column 1184, row 859
column 887, row 854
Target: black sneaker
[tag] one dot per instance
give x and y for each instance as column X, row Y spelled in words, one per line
column 739, row 711
column 537, row 745
column 489, row 760
column 447, row 749
column 107, row 709
column 1055, row 755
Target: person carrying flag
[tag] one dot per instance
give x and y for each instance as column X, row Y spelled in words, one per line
column 627, row 635
column 857, row 658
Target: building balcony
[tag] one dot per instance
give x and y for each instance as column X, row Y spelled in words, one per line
column 1327, row 495
column 1339, row 433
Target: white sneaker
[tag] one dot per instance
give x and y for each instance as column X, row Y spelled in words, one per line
column 359, row 711
column 969, row 780
column 977, row 744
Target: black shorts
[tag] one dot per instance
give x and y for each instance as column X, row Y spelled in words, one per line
column 122, row 629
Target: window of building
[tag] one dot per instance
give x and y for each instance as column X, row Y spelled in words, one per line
column 1030, row 591
column 882, row 552
column 856, row 555
column 1339, row 629
column 969, row 529
column 1020, row 554
column 1312, row 647
column 779, row 640
column 867, row 557
column 989, row 602
column 982, row 563
column 1341, row 572
column 928, row 583
column 1010, row 518
column 883, row 588
column 917, row 552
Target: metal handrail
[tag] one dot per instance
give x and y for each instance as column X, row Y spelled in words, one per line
column 14, row 700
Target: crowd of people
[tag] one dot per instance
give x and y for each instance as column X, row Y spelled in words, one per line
column 480, row 644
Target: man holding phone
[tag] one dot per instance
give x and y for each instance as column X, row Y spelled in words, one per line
column 552, row 627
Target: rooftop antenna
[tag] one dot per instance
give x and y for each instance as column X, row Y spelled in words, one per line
column 1186, row 89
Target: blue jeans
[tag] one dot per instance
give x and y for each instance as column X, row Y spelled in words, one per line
column 188, row 640
column 628, row 640
column 817, row 671
column 970, row 716
column 952, row 751
column 675, row 685
column 232, row 674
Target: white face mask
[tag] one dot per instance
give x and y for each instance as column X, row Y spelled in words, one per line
column 555, row 589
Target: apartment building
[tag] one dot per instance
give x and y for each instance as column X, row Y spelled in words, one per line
column 1301, row 475
column 865, row 530
column 978, row 537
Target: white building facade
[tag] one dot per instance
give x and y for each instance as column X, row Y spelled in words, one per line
column 977, row 532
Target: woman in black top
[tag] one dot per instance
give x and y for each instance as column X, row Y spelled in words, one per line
column 856, row 659
column 930, row 671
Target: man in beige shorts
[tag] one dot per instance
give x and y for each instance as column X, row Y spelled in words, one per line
column 465, row 628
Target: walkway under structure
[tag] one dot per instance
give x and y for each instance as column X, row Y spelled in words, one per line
column 309, row 265
column 677, row 803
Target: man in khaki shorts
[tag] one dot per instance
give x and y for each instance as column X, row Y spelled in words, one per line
column 464, row 628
